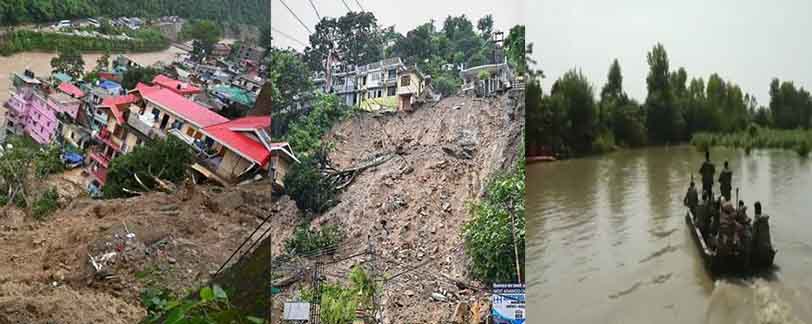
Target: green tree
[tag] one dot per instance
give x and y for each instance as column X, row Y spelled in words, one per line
column 485, row 26
column 518, row 51
column 206, row 33
column 308, row 187
column 69, row 61
column 572, row 95
column 355, row 36
column 134, row 75
column 662, row 118
column 290, row 85
column 496, row 232
column 167, row 159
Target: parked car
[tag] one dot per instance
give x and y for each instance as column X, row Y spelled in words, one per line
column 93, row 22
column 62, row 24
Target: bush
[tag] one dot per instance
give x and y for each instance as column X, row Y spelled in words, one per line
column 488, row 236
column 46, row 204
column 49, row 161
column 338, row 303
column 306, row 241
column 166, row 159
column 28, row 40
column 306, row 185
column 306, row 132
column 211, row 306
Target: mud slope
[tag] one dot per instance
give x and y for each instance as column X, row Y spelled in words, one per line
column 414, row 205
column 179, row 239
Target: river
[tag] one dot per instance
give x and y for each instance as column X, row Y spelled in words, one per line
column 40, row 63
column 607, row 240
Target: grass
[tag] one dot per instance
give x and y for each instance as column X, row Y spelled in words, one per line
column 797, row 140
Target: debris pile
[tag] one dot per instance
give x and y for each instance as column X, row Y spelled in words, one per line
column 414, row 204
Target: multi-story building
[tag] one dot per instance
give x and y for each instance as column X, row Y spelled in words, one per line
column 242, row 148
column 34, row 110
column 247, row 52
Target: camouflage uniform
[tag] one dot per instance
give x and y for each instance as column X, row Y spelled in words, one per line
column 707, row 171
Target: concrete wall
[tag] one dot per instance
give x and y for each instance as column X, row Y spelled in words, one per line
column 232, row 165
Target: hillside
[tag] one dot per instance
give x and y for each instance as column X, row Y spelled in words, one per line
column 413, row 206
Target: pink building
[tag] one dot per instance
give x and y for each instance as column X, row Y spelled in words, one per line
column 32, row 112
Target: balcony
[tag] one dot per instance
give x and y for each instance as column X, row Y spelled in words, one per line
column 105, row 137
column 97, row 172
column 101, row 158
column 142, row 123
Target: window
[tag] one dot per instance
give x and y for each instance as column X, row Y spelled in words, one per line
column 190, row 131
column 392, row 74
column 390, row 91
column 405, row 81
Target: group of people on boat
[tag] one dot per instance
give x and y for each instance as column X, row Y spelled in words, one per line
column 726, row 227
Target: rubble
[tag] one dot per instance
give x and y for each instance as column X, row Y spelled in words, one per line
column 414, row 205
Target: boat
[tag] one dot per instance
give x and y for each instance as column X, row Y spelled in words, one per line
column 724, row 255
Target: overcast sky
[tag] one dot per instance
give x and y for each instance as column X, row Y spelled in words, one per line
column 405, row 15
column 747, row 42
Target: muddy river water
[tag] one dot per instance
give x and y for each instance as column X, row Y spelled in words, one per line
column 40, row 63
column 607, row 240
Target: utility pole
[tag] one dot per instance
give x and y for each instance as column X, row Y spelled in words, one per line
column 315, row 304
column 515, row 247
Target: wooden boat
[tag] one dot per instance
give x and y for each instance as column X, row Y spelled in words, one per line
column 725, row 258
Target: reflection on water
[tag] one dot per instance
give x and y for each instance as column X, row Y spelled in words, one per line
column 607, row 241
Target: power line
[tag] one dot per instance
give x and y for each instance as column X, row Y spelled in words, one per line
column 314, row 9
column 288, row 36
column 297, row 17
column 345, row 5
column 359, row 5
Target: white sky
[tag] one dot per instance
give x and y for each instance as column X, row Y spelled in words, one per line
column 405, row 15
column 746, row 42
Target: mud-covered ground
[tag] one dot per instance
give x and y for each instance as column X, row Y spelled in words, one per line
column 411, row 209
column 167, row 240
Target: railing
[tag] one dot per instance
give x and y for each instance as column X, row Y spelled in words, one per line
column 101, row 158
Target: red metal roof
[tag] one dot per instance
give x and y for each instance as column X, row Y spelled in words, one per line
column 180, row 106
column 117, row 105
column 71, row 89
column 234, row 135
column 172, row 84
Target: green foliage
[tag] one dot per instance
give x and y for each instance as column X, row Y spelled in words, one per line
column 306, row 185
column 210, row 306
column 517, row 50
column 137, row 74
column 791, row 107
column 755, row 137
column 45, row 204
column 206, row 33
column 48, row 161
column 43, row 11
column 305, row 132
column 355, row 35
column 166, row 159
column 289, row 83
column 69, row 61
column 488, row 236
column 146, row 40
column 305, row 240
column 338, row 303
column 572, row 99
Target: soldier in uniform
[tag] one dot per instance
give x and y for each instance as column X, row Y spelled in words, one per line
column 707, row 171
column 691, row 199
column 762, row 243
column 725, row 179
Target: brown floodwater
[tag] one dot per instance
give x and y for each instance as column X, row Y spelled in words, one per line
column 608, row 243
column 40, row 63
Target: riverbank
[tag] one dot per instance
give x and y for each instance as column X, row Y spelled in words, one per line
column 796, row 140
column 28, row 40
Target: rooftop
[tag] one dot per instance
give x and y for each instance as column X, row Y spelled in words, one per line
column 176, row 86
column 236, row 135
column 180, row 106
column 70, row 89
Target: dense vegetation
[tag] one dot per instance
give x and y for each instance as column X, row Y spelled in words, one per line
column 571, row 122
column 22, row 156
column 134, row 75
column 145, row 40
column 306, row 241
column 338, row 302
column 799, row 140
column 491, row 244
column 212, row 305
column 165, row 159
column 253, row 12
column 306, row 185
